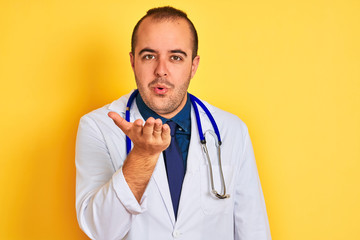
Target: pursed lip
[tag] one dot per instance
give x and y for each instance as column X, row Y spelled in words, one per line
column 160, row 89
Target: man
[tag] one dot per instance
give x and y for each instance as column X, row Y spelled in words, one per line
column 162, row 188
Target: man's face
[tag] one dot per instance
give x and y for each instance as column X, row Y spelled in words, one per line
column 163, row 64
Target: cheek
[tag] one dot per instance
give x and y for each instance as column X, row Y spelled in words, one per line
column 180, row 72
column 144, row 72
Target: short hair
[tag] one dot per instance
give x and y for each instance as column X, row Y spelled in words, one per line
column 166, row 13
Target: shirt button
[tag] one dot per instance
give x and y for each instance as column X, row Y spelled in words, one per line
column 180, row 129
column 176, row 234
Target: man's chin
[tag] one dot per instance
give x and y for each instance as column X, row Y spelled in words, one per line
column 161, row 110
column 160, row 95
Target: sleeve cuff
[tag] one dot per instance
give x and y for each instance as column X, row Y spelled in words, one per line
column 126, row 196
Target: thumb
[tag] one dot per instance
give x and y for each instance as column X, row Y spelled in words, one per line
column 120, row 122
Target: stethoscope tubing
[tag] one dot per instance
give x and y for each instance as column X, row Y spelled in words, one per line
column 194, row 100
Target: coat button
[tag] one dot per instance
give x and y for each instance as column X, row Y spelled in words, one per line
column 176, row 234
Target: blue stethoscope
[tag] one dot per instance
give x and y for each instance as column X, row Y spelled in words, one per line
column 216, row 135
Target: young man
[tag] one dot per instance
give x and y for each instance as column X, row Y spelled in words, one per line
column 164, row 188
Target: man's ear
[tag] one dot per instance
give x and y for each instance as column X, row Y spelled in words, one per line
column 194, row 66
column 132, row 60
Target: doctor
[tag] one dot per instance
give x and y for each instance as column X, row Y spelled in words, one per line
column 143, row 195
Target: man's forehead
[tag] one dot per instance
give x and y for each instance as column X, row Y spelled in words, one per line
column 153, row 20
column 150, row 24
column 175, row 32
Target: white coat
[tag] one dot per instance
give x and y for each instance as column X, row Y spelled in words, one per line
column 107, row 209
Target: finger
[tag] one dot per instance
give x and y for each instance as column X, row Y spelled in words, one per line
column 157, row 128
column 138, row 126
column 120, row 122
column 165, row 134
column 149, row 127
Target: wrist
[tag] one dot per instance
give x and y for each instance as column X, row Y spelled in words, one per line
column 139, row 152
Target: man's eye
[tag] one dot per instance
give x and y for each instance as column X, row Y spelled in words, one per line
column 176, row 58
column 148, row 57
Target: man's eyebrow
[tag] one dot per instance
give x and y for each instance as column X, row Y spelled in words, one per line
column 147, row 50
column 179, row 51
column 172, row 51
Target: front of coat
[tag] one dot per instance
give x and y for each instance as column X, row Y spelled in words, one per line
column 107, row 209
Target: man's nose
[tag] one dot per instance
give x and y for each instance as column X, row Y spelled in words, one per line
column 161, row 68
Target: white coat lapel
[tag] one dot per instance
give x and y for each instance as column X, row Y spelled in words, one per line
column 161, row 181
column 191, row 185
column 190, row 192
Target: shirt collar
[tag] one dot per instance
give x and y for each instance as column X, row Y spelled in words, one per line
column 182, row 118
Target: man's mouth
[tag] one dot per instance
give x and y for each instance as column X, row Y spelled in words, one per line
column 160, row 86
column 160, row 90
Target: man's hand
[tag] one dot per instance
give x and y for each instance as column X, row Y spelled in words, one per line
column 149, row 141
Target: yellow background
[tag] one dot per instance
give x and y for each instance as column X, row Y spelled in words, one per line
column 289, row 69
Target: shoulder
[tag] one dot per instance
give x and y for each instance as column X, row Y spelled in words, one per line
column 233, row 132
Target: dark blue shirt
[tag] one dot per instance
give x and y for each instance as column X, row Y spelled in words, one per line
column 183, row 120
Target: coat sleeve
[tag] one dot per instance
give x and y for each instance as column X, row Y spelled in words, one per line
column 251, row 222
column 105, row 205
